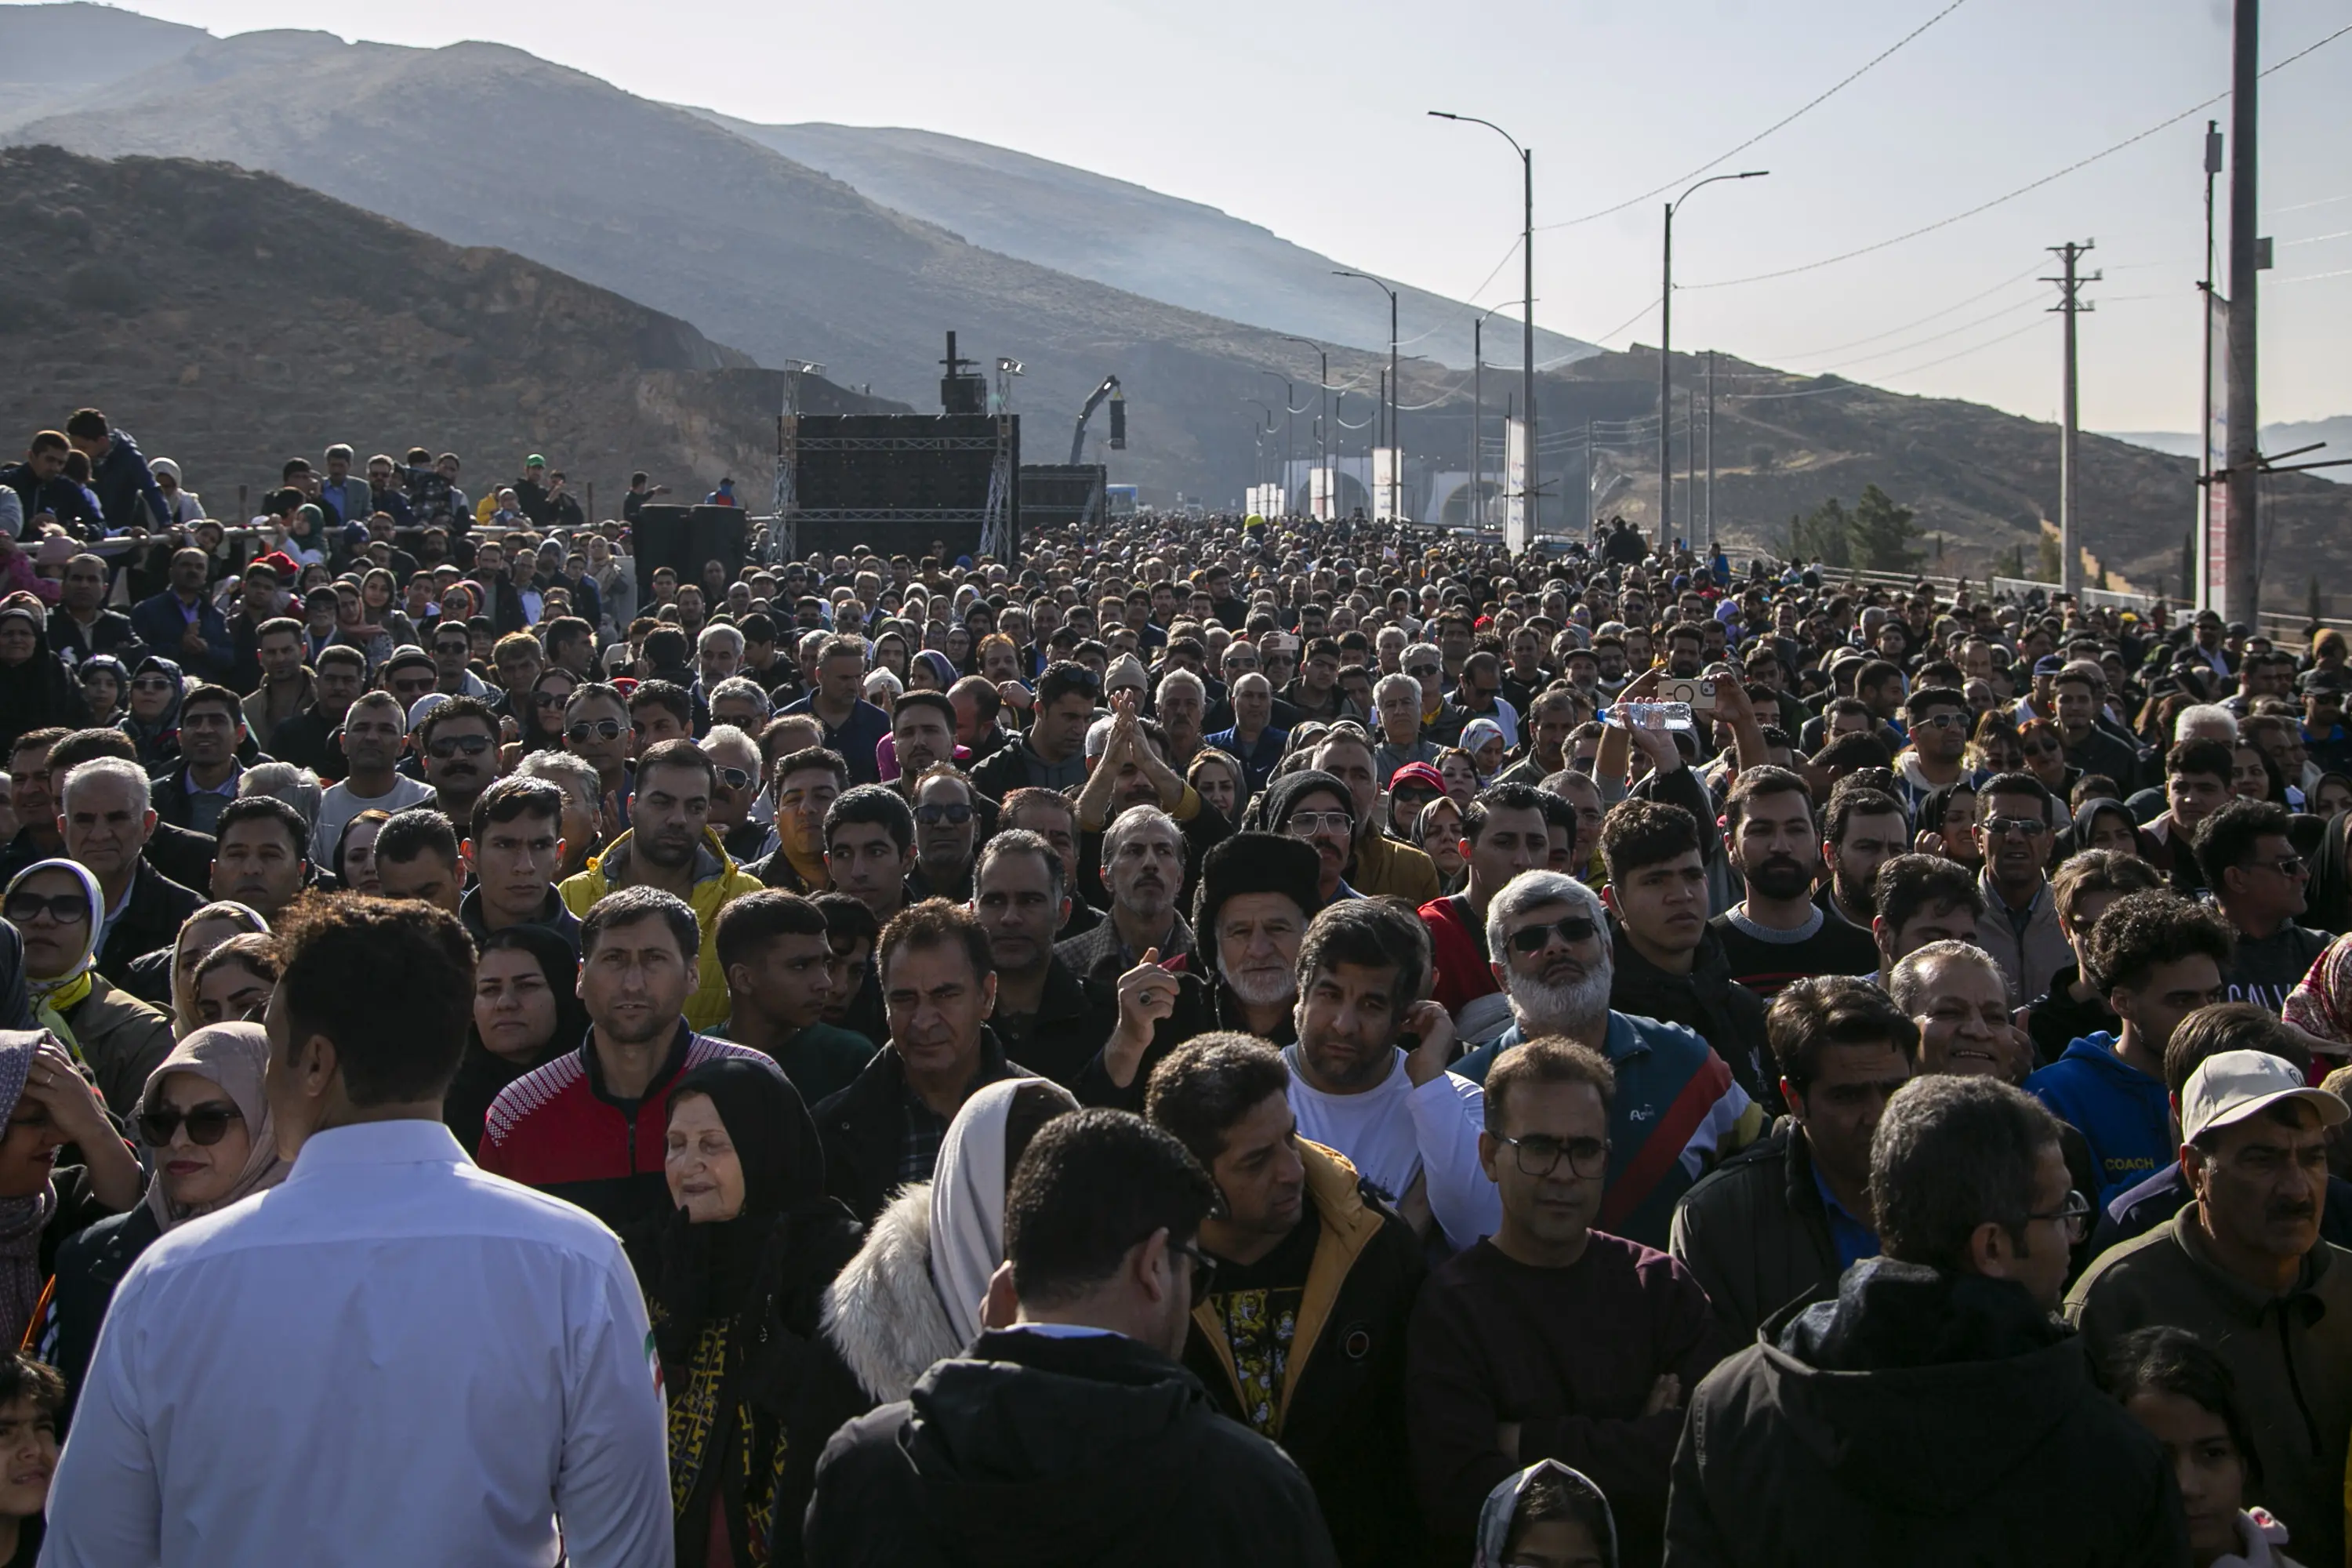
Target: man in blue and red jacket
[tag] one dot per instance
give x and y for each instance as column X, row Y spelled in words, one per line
column 589, row 1127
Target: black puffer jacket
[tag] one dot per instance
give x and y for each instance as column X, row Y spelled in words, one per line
column 1047, row 1451
column 1708, row 1001
column 1754, row 1235
column 1922, row 1419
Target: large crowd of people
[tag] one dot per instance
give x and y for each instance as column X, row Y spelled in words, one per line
column 1218, row 1040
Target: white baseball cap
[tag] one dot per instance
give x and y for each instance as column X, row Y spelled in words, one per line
column 2232, row 1086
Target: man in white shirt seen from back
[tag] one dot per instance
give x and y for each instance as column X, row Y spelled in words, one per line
column 394, row 1358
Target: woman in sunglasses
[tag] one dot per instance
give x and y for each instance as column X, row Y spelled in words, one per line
column 56, row 908
column 152, row 716
column 205, row 1120
column 542, row 716
column 2045, row 756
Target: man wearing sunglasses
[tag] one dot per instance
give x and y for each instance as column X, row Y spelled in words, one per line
column 2259, row 882
column 1554, row 959
column 2021, row 927
column 946, row 821
column 459, row 744
column 1551, row 1338
column 596, row 731
column 1938, row 718
column 734, row 785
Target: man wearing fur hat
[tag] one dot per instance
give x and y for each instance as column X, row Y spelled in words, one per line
column 1257, row 892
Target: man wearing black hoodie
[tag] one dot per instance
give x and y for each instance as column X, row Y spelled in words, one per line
column 1069, row 1432
column 1935, row 1410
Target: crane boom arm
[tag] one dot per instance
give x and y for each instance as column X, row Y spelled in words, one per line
column 1078, row 440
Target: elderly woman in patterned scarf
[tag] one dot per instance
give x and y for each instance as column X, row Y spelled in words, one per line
column 57, row 908
column 734, row 1281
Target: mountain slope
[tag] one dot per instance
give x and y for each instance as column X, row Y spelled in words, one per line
column 51, row 55
column 2282, row 438
column 486, row 145
column 281, row 320
column 1129, row 237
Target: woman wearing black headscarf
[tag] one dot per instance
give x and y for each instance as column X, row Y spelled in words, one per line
column 526, row 1013
column 735, row 1282
column 36, row 689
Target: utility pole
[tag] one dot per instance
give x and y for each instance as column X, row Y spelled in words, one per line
column 1665, row 363
column 1710, row 454
column 2070, row 305
column 2241, row 592
column 2198, row 585
column 1590, row 470
column 1322, row 425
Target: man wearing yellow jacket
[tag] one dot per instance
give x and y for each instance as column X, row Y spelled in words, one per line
column 1302, row 1334
column 670, row 845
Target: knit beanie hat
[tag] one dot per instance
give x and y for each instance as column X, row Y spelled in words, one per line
column 1281, row 797
column 1254, row 863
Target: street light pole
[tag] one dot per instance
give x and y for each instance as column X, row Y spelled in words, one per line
column 1322, row 421
column 1531, row 489
column 1289, row 423
column 1479, row 414
column 1396, row 483
column 1666, row 361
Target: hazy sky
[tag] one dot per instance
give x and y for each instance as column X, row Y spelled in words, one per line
column 1308, row 116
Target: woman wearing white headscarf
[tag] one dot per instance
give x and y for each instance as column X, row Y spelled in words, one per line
column 913, row 1294
column 205, row 1117
column 57, row 908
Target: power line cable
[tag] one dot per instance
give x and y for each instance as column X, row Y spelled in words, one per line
column 2022, row 190
column 1891, row 376
column 1777, row 125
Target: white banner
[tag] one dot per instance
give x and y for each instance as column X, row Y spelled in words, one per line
column 1515, row 486
column 1319, row 493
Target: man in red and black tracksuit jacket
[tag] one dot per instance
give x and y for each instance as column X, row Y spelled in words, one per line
column 560, row 1130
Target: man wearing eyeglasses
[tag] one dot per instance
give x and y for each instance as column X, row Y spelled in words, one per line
column 1552, row 1338
column 1553, row 957
column 1441, row 721
column 2243, row 1266
column 1976, row 1216
column 2019, row 926
column 2258, row 880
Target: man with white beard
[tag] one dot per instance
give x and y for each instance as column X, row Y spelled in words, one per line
column 1677, row 1111
column 1368, row 1070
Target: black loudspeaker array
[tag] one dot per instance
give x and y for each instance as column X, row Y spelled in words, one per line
column 682, row 537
